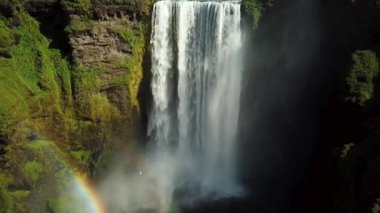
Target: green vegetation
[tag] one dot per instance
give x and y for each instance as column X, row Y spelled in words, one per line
column 100, row 108
column 93, row 104
column 82, row 156
column 82, row 7
column 364, row 69
column 77, row 6
column 35, row 80
column 6, row 201
column 254, row 9
column 20, row 198
column 6, row 35
column 64, row 204
column 135, row 37
column 44, row 176
column 39, row 145
column 20, row 194
column 139, row 6
column 79, row 25
column 33, row 170
column 64, row 176
column 10, row 201
column 143, row 5
column 54, row 112
column 58, row 205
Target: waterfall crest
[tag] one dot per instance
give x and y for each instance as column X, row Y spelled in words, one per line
column 196, row 83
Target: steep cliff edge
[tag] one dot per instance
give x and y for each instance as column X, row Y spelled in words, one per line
column 69, row 77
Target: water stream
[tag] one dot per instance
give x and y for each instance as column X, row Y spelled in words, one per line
column 196, row 85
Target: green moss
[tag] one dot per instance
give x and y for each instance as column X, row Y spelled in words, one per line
column 138, row 6
column 255, row 9
column 42, row 94
column 86, row 83
column 78, row 25
column 64, row 78
column 78, row 125
column 100, row 108
column 144, row 6
column 135, row 37
column 65, row 204
column 20, row 194
column 46, row 175
column 39, row 144
column 6, row 35
column 33, row 170
column 6, row 201
column 82, row 156
column 60, row 205
column 64, row 176
column 36, row 80
column 92, row 104
column 77, row 6
column 365, row 67
column 20, row 198
column 12, row 89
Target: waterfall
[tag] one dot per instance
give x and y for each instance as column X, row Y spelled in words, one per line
column 196, row 77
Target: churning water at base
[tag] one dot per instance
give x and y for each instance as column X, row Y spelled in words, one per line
column 196, row 83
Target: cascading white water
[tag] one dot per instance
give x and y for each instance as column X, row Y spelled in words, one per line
column 196, row 83
column 193, row 123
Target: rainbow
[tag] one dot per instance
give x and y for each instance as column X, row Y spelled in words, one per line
column 82, row 192
column 90, row 199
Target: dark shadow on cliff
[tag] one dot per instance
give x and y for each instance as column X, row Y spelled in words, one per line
column 292, row 110
column 145, row 95
column 285, row 90
column 53, row 20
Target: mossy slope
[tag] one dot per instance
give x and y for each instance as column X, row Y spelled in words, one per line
column 48, row 95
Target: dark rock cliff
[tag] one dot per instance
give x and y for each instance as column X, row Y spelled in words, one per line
column 310, row 127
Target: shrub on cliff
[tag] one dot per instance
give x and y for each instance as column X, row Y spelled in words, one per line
column 364, row 68
column 33, row 171
column 80, row 7
column 255, row 9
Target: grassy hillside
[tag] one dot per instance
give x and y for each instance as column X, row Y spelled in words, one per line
column 53, row 104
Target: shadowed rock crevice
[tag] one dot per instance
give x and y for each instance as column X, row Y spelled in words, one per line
column 53, row 20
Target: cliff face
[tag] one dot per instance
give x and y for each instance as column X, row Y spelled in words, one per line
column 349, row 159
column 313, row 97
column 69, row 78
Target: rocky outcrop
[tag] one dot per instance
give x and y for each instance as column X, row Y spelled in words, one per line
column 101, row 46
